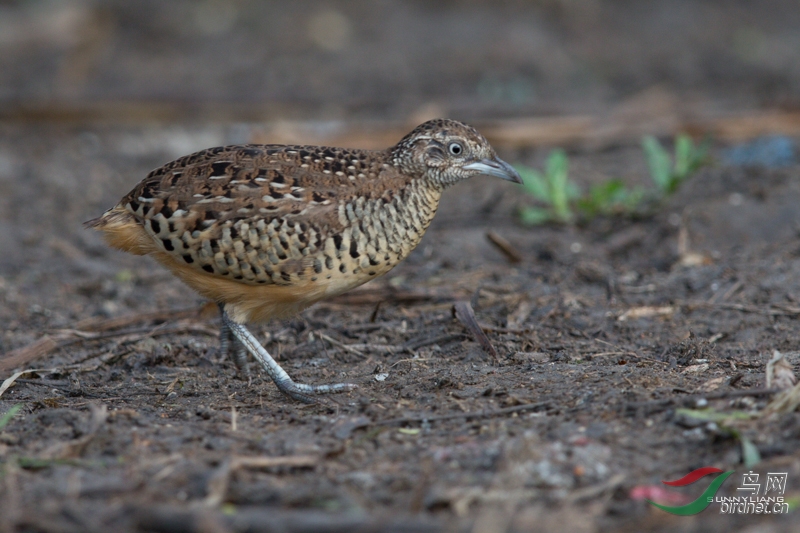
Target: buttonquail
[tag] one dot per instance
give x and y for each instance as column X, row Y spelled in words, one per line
column 267, row 230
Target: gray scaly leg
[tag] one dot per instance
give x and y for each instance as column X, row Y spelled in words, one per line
column 239, row 352
column 240, row 359
column 299, row 391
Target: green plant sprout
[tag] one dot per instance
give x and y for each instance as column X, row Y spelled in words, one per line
column 8, row 415
column 553, row 189
column 667, row 175
column 611, row 197
column 562, row 200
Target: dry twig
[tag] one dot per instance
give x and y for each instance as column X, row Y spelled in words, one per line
column 106, row 324
column 464, row 313
column 489, row 413
column 66, row 337
column 505, row 247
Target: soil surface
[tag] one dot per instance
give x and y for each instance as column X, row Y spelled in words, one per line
column 605, row 332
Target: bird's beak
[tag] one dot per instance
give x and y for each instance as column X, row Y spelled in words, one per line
column 495, row 167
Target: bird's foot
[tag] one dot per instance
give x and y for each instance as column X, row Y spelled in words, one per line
column 298, row 391
column 306, row 393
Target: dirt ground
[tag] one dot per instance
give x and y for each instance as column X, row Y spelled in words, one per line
column 604, row 331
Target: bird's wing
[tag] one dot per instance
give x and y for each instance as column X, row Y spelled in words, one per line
column 257, row 214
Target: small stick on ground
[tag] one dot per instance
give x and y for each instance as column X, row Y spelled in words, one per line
column 489, row 413
column 498, row 329
column 341, row 345
column 174, row 519
column 374, row 316
column 653, row 406
column 106, row 324
column 409, row 360
column 427, row 341
column 292, row 461
column 505, row 247
column 26, row 354
column 464, row 313
column 774, row 310
column 390, row 349
column 62, row 338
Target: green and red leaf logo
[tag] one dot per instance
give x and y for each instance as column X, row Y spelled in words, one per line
column 704, row 499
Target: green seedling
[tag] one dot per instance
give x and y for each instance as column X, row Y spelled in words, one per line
column 8, row 415
column 750, row 454
column 553, row 189
column 560, row 199
column 612, row 197
column 712, row 415
column 794, row 502
column 666, row 173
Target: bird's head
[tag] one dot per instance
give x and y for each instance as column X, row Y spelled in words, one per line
column 447, row 151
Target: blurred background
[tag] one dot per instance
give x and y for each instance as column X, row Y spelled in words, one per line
column 388, row 60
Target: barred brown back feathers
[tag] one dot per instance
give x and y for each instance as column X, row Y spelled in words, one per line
column 267, row 230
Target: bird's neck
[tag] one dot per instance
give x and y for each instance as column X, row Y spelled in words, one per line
column 420, row 202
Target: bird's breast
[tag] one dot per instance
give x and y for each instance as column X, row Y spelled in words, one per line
column 377, row 234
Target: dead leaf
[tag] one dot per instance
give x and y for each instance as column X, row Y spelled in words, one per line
column 780, row 374
column 785, row 402
column 520, row 315
column 695, row 369
column 689, row 258
column 712, row 384
column 291, row 461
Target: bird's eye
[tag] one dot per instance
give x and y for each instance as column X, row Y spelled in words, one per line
column 455, row 148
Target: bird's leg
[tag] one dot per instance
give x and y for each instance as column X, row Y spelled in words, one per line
column 299, row 391
column 240, row 359
column 239, row 352
column 225, row 338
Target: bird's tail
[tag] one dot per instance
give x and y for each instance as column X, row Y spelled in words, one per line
column 123, row 231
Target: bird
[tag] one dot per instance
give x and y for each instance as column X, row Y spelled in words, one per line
column 266, row 230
